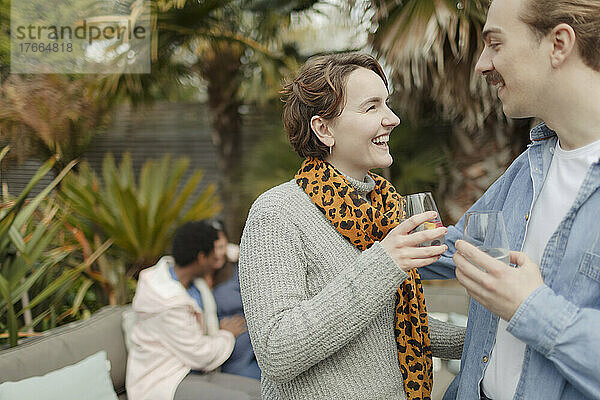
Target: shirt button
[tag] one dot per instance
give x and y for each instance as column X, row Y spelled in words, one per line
column 527, row 217
column 485, row 359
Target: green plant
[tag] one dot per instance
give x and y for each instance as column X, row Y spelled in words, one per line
column 27, row 252
column 108, row 273
column 139, row 216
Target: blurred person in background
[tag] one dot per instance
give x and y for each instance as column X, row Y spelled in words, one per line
column 177, row 331
column 224, row 281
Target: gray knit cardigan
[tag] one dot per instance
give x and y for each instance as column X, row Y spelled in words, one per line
column 320, row 312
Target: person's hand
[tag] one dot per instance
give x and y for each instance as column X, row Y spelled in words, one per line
column 235, row 325
column 403, row 246
column 500, row 288
column 233, row 252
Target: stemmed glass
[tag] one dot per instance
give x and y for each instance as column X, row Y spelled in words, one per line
column 418, row 203
column 486, row 231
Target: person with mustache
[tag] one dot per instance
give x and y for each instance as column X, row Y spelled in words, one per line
column 533, row 330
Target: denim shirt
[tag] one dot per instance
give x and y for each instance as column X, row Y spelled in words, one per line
column 560, row 321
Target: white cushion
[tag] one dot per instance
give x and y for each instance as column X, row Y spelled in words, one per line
column 88, row 379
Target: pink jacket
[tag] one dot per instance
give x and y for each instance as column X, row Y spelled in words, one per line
column 170, row 337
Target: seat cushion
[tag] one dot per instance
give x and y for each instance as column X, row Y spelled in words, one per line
column 68, row 345
column 216, row 385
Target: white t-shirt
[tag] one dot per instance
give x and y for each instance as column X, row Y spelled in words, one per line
column 565, row 176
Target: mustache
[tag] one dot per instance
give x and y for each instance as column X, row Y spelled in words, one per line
column 493, row 77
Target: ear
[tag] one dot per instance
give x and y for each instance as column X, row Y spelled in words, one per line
column 563, row 44
column 319, row 126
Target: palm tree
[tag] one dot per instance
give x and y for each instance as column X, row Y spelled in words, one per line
column 432, row 47
column 43, row 115
column 47, row 115
column 227, row 43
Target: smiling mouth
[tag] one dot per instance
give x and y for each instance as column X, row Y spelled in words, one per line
column 381, row 140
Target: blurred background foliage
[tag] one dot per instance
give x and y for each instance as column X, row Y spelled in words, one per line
column 139, row 214
column 36, row 268
column 232, row 55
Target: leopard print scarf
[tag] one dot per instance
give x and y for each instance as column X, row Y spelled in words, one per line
column 363, row 224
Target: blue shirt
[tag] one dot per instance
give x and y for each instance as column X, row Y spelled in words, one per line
column 192, row 290
column 560, row 321
column 229, row 303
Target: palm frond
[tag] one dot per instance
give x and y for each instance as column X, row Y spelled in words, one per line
column 432, row 47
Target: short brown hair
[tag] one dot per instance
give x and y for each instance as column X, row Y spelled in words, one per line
column 318, row 89
column 582, row 15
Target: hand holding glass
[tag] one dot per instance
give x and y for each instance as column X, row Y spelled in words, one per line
column 419, row 203
column 486, row 231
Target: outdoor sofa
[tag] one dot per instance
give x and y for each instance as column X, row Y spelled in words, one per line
column 69, row 344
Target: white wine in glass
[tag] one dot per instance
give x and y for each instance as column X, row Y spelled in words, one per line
column 418, row 203
column 486, row 231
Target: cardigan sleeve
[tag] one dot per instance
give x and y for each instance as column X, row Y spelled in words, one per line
column 291, row 331
column 446, row 339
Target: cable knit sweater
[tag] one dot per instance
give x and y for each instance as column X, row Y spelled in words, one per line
column 320, row 312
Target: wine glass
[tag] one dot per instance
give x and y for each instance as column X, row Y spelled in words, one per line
column 418, row 203
column 486, row 231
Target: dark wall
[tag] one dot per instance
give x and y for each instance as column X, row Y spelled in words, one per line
column 181, row 129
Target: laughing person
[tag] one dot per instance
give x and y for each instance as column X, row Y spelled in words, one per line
column 333, row 300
